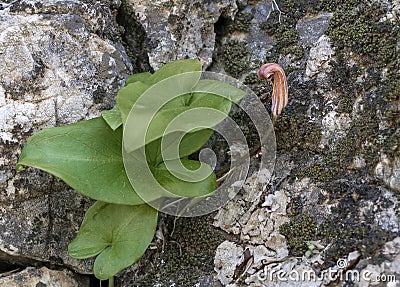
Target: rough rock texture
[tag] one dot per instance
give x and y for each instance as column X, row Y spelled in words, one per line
column 387, row 271
column 32, row 277
column 60, row 62
column 334, row 193
column 338, row 143
column 180, row 29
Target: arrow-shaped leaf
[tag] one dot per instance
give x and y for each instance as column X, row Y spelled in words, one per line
column 140, row 77
column 120, row 234
column 87, row 156
column 183, row 187
column 112, row 118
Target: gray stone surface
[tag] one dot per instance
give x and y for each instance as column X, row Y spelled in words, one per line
column 180, row 29
column 60, row 63
column 33, row 277
column 320, row 54
column 312, row 28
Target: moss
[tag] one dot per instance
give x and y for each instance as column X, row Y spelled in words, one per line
column 294, row 125
column 355, row 25
column 335, row 162
column 170, row 4
column 236, row 57
column 344, row 230
column 296, row 51
column 300, row 8
column 391, row 145
column 298, row 231
column 359, row 27
column 286, row 36
column 271, row 24
column 285, row 33
column 362, row 137
column 260, row 87
column 241, row 23
column 392, row 81
column 296, row 205
column 356, row 28
column 283, row 29
column 187, row 256
column 343, row 76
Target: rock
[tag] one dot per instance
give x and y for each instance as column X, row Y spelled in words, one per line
column 334, row 128
column 312, row 29
column 258, row 42
column 319, row 57
column 180, row 29
column 334, row 191
column 331, row 139
column 227, row 257
column 387, row 218
column 33, row 277
column 388, row 271
column 259, row 229
column 61, row 63
column 389, row 171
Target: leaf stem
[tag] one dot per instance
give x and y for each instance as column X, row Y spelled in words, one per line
column 111, row 282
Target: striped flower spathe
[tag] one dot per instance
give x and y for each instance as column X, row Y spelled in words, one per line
column 279, row 86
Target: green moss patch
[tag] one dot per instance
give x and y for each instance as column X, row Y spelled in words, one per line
column 241, row 23
column 236, row 58
column 187, row 255
column 344, row 230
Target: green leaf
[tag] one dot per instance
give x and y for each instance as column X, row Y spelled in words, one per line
column 213, row 110
column 112, row 118
column 183, row 187
column 150, row 108
column 175, row 68
column 137, row 84
column 127, row 97
column 190, row 143
column 140, row 77
column 120, row 234
column 87, row 156
column 219, row 88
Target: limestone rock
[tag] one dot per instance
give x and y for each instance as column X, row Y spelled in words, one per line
column 319, row 57
column 61, row 63
column 334, row 191
column 312, row 29
column 258, row 228
column 33, row 277
column 389, row 171
column 180, row 29
column 335, row 127
column 228, row 256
